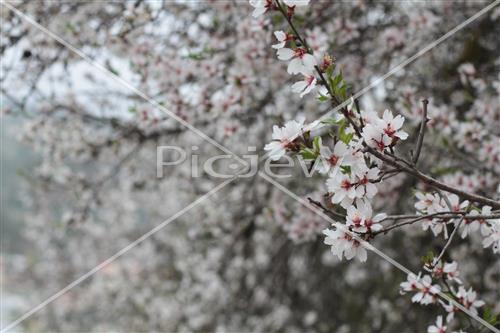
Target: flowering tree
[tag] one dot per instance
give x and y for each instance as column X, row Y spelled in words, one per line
column 423, row 177
column 364, row 154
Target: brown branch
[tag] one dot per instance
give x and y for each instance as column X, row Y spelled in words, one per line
column 440, row 216
column 431, row 181
column 412, row 218
column 325, row 210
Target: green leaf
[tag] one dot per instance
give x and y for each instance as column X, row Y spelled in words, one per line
column 277, row 19
column 487, row 314
column 307, row 135
column 343, row 136
column 337, row 79
column 331, row 121
column 490, row 317
column 428, row 258
column 346, row 169
column 446, row 143
column 196, row 56
column 322, row 98
column 299, row 20
column 346, row 138
column 317, row 144
column 308, row 154
column 330, row 70
column 71, row 28
column 342, row 91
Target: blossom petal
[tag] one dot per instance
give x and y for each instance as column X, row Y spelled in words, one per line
column 309, row 61
column 295, row 66
column 285, row 54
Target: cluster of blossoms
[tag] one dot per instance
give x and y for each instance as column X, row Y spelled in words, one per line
column 301, row 62
column 427, row 290
column 438, row 327
column 385, row 132
column 288, row 138
column 352, row 174
column 433, row 204
column 359, row 220
column 343, row 244
column 300, row 58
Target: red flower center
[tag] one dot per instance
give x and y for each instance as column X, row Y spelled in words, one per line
column 380, row 144
column 299, row 52
column 357, row 221
column 389, row 131
column 345, row 184
column 333, row 160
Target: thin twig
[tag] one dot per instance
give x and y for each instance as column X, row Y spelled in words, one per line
column 443, row 215
column 398, row 225
column 448, row 242
column 326, row 210
column 431, row 181
column 421, row 132
column 440, row 216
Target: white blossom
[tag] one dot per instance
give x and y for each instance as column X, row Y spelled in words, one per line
column 469, row 300
column 329, row 161
column 451, row 271
column 260, row 7
column 283, row 139
column 361, row 219
column 426, row 291
column 493, row 237
column 306, row 86
column 282, row 38
column 439, row 327
column 365, row 186
column 392, row 125
column 374, row 137
column 412, row 283
column 343, row 188
column 381, row 133
column 300, row 60
column 343, row 244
